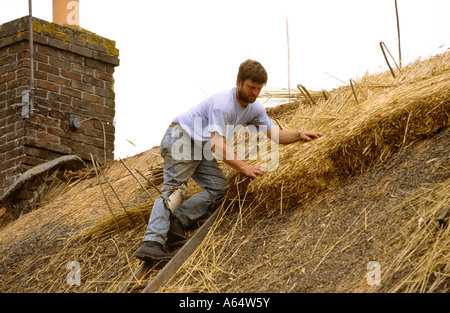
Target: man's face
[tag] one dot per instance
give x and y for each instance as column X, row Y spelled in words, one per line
column 248, row 90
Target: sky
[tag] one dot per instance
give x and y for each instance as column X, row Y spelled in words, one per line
column 174, row 53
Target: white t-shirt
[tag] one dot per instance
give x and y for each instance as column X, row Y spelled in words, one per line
column 223, row 113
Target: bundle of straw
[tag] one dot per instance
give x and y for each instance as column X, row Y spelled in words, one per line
column 357, row 138
column 276, row 95
column 388, row 117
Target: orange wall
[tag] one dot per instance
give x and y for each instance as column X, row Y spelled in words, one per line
column 66, row 12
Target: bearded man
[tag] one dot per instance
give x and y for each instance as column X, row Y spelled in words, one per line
column 205, row 125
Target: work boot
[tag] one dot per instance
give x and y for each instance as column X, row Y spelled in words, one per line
column 176, row 231
column 152, row 251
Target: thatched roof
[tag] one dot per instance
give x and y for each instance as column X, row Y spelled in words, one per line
column 370, row 190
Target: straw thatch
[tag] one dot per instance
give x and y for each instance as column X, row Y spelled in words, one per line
column 358, row 137
column 313, row 224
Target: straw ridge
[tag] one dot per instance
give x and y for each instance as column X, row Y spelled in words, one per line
column 358, row 136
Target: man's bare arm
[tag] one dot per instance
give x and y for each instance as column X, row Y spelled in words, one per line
column 282, row 136
column 222, row 152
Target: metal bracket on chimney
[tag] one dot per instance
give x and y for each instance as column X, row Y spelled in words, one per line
column 25, row 104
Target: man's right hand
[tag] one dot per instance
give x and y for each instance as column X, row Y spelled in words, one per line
column 220, row 150
column 252, row 171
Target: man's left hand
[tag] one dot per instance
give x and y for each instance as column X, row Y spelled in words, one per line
column 308, row 135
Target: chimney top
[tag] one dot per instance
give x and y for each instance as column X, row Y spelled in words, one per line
column 66, row 12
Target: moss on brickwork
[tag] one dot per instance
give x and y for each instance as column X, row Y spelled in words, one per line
column 68, row 34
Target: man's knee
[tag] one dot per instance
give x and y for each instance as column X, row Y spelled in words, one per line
column 176, row 198
column 216, row 195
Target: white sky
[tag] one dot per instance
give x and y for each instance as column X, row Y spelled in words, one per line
column 174, row 53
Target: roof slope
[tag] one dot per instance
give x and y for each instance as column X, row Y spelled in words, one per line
column 368, row 191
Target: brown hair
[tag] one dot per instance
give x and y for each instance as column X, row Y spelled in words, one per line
column 253, row 70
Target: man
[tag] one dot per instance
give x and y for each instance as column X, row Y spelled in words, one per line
column 191, row 132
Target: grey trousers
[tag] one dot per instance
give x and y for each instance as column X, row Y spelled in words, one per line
column 204, row 171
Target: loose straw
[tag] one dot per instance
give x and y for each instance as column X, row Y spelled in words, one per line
column 101, row 188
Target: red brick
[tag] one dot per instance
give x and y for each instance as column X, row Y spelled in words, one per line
column 39, row 74
column 80, row 137
column 59, row 98
column 98, row 143
column 57, row 43
column 59, row 80
column 70, row 108
column 23, row 54
column 14, row 153
column 23, row 72
column 58, row 131
column 48, row 68
column 30, row 160
column 15, row 134
column 47, row 137
column 9, row 146
column 47, row 86
column 82, row 69
column 104, row 93
column 23, row 63
column 87, row 129
column 41, row 93
column 8, row 77
column 92, row 98
column 81, row 51
column 29, row 124
column 85, row 105
column 35, row 155
column 104, row 76
column 46, row 103
column 59, row 63
column 69, row 56
column 40, row 57
column 14, row 84
column 93, row 81
column 110, row 103
column 109, row 59
column 47, row 121
column 30, row 132
column 8, row 128
column 95, row 64
column 70, row 74
column 74, row 145
column 8, row 68
column 82, row 86
column 38, row 38
column 50, row 51
column 9, row 59
column 71, row 92
column 3, row 53
column 6, row 165
column 104, row 110
column 51, row 146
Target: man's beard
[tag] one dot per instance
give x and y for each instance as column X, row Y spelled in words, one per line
column 244, row 97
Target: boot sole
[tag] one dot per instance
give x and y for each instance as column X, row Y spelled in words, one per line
column 175, row 244
column 148, row 258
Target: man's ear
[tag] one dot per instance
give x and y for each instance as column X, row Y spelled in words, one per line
column 238, row 82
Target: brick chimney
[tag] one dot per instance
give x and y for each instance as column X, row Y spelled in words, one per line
column 73, row 96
